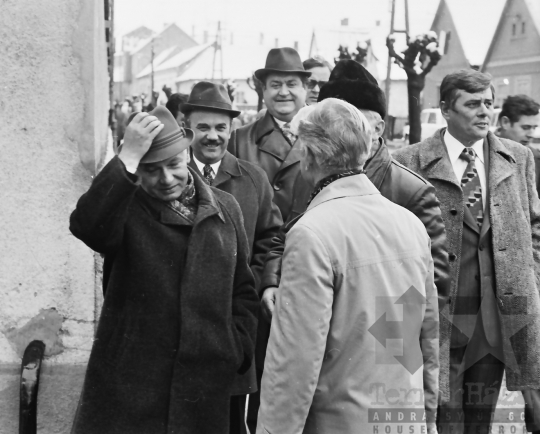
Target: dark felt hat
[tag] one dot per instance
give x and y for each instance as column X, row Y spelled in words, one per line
column 282, row 60
column 170, row 141
column 353, row 83
column 209, row 96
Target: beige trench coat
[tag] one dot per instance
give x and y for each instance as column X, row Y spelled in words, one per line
column 355, row 266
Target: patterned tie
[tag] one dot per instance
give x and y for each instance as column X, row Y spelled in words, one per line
column 208, row 172
column 291, row 138
column 470, row 184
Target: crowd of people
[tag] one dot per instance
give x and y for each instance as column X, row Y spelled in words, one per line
column 290, row 275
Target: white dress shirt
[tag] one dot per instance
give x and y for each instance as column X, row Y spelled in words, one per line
column 200, row 166
column 455, row 148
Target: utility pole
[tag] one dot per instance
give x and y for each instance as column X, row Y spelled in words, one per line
column 218, row 47
column 390, row 59
column 152, row 68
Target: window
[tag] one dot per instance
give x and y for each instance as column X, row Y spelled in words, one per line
column 523, row 28
column 514, row 29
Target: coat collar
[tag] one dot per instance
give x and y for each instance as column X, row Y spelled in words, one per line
column 377, row 167
column 501, row 161
column 435, row 163
column 229, row 168
column 207, row 204
column 275, row 143
column 356, row 185
column 434, row 159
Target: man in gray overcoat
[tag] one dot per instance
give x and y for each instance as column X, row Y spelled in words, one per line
column 490, row 207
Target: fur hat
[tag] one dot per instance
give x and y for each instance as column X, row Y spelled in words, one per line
column 352, row 83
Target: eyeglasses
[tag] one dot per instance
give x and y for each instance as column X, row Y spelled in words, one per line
column 312, row 83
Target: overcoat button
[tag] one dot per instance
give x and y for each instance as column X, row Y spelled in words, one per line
column 277, row 186
column 452, row 257
column 453, row 211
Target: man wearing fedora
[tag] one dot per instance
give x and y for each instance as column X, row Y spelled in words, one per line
column 268, row 143
column 209, row 113
column 179, row 315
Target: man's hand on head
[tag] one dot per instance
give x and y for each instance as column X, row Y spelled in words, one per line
column 138, row 137
column 268, row 302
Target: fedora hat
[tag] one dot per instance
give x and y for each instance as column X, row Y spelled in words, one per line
column 170, row 141
column 353, row 83
column 209, row 96
column 284, row 60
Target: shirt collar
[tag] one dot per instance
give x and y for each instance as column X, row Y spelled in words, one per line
column 455, row 147
column 280, row 123
column 200, row 166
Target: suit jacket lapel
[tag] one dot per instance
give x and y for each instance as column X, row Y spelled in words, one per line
column 486, row 224
column 270, row 139
column 227, row 169
column 435, row 162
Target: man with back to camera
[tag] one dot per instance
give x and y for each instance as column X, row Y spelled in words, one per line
column 209, row 113
column 268, row 143
column 491, row 211
column 352, row 83
column 179, row 316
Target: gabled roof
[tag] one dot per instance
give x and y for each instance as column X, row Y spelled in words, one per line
column 534, row 9
column 144, row 42
column 240, row 61
column 475, row 25
column 164, row 61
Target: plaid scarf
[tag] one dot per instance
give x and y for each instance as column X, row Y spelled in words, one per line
column 186, row 205
column 325, row 182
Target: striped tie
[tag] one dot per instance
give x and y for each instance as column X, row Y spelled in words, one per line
column 470, row 184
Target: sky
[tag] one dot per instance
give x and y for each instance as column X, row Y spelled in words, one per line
column 288, row 20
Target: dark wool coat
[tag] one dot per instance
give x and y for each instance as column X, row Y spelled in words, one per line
column 250, row 187
column 179, row 315
column 262, row 143
column 514, row 212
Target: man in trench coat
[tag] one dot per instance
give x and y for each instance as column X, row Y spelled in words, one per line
column 209, row 113
column 489, row 203
column 179, row 316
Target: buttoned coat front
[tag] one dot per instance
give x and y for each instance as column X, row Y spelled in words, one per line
column 179, row 316
column 354, row 262
column 248, row 184
column 262, row 143
column 514, row 212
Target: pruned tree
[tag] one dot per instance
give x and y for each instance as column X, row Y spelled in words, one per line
column 255, row 84
column 418, row 59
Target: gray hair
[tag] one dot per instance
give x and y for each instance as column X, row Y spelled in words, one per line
column 337, row 134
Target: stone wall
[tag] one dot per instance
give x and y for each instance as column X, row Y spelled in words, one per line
column 53, row 135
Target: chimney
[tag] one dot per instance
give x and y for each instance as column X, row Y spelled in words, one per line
column 261, row 39
column 205, row 37
column 277, row 43
column 296, row 45
column 345, row 22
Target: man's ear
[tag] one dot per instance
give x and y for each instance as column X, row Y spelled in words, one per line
column 505, row 122
column 445, row 109
column 379, row 128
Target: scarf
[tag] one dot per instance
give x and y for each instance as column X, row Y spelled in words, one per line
column 186, row 205
column 325, row 182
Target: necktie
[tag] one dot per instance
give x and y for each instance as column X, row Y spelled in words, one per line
column 207, row 173
column 288, row 133
column 470, row 184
